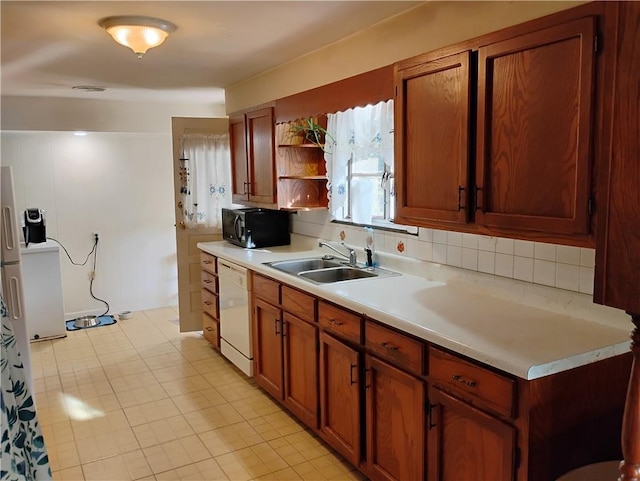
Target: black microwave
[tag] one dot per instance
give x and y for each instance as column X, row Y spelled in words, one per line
column 256, row 227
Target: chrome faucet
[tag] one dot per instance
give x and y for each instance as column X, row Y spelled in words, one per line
column 352, row 257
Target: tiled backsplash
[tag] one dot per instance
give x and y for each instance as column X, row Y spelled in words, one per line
column 564, row 267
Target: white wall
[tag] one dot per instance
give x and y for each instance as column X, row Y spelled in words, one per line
column 117, row 184
column 422, row 29
column 68, row 114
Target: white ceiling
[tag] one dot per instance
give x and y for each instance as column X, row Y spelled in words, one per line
column 50, row 46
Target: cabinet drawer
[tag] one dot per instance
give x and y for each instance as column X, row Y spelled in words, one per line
column 473, row 383
column 395, row 347
column 266, row 288
column 210, row 330
column 298, row 303
column 210, row 304
column 209, row 281
column 340, row 322
column 208, row 262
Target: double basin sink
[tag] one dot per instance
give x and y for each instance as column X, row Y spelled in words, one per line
column 327, row 269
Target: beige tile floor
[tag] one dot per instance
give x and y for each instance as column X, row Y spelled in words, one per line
column 140, row 401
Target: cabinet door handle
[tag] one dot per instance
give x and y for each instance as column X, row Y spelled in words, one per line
column 389, row 347
column 460, row 191
column 351, row 374
column 367, row 378
column 276, row 325
column 431, row 423
column 333, row 322
column 460, row 379
column 479, row 206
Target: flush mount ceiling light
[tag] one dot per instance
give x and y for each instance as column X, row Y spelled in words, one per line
column 136, row 32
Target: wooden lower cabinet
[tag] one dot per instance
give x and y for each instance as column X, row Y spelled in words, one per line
column 466, row 444
column 267, row 358
column 395, row 422
column 211, row 330
column 398, row 408
column 285, row 354
column 340, row 397
column 301, row 369
column 210, row 303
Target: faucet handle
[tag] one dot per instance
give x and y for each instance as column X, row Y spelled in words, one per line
column 353, row 257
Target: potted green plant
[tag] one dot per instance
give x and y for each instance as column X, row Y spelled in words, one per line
column 310, row 130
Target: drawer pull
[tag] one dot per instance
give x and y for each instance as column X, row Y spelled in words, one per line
column 462, row 380
column 208, row 303
column 207, row 281
column 208, row 262
column 390, row 347
column 209, row 329
column 335, row 323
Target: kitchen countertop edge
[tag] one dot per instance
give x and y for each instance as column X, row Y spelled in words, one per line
column 254, row 260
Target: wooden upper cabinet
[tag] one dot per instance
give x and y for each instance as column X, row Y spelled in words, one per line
column 617, row 272
column 252, row 142
column 260, row 152
column 238, row 147
column 432, row 140
column 534, row 130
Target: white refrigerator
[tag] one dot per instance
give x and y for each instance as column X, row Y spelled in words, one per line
column 11, row 270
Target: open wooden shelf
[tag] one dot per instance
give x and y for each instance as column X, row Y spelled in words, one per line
column 301, row 171
column 303, row 146
column 302, row 177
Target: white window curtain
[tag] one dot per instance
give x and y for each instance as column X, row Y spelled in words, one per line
column 360, row 132
column 206, row 179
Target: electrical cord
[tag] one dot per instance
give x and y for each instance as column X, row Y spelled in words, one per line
column 94, row 251
column 95, row 255
column 95, row 246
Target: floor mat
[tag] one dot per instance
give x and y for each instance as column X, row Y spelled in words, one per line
column 104, row 321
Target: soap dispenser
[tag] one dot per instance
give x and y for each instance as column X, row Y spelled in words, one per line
column 370, row 247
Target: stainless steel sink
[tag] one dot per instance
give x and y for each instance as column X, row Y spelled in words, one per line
column 323, row 270
column 336, row 274
column 300, row 265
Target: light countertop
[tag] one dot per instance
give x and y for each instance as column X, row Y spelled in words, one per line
column 528, row 342
column 40, row 247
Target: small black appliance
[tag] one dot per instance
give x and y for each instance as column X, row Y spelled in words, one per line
column 256, row 227
column 33, row 226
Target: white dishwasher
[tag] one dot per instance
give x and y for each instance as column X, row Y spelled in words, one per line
column 235, row 319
